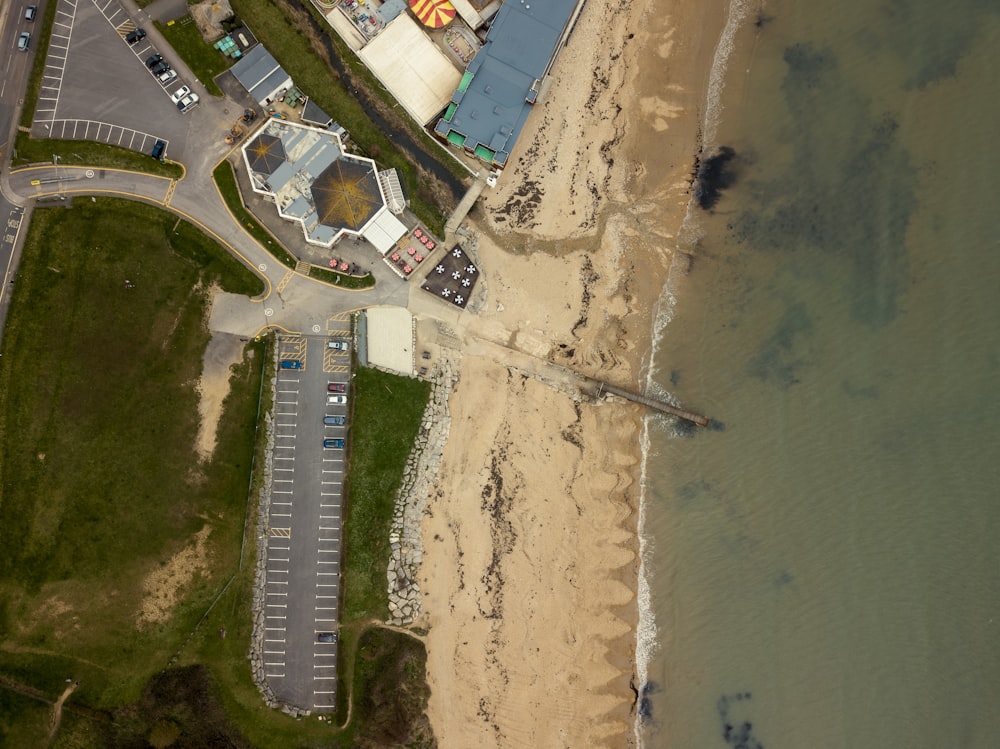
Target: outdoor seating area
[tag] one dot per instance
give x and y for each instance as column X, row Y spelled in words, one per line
column 413, row 249
column 453, row 279
column 343, row 266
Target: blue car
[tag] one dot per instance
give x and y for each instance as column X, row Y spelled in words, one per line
column 291, row 364
column 334, row 443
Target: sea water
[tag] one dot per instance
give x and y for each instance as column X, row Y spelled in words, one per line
column 823, row 568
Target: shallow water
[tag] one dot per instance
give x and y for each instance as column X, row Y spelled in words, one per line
column 824, row 572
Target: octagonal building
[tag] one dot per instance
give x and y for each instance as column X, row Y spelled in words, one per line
column 313, row 181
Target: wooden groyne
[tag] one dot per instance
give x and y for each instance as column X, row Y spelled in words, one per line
column 655, row 404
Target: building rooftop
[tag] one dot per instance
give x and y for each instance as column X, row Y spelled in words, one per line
column 495, row 96
column 313, row 181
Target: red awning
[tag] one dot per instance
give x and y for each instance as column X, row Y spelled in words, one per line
column 433, row 13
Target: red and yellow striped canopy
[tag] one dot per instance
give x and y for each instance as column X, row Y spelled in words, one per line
column 433, row 13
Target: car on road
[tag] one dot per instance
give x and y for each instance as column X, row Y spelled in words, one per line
column 334, row 421
column 337, row 443
column 339, row 345
column 336, row 400
column 166, row 76
column 158, row 148
column 291, row 364
column 187, row 102
column 326, row 637
column 23, row 40
column 179, row 94
column 29, row 12
column 153, row 60
column 337, row 387
column 136, row 35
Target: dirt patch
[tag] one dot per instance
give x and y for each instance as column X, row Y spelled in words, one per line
column 163, row 586
column 57, row 709
column 223, row 352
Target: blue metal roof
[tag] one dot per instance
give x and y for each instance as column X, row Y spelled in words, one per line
column 519, row 47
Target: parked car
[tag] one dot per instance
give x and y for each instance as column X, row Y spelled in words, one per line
column 337, row 387
column 23, row 40
column 187, row 102
column 179, row 94
column 158, row 148
column 339, row 345
column 337, row 443
column 29, row 12
column 291, row 364
column 335, row 421
column 136, row 35
column 326, row 637
column 166, row 76
column 336, row 400
column 154, row 60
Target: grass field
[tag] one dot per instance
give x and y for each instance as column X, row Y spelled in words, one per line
column 100, row 483
column 390, row 408
column 101, row 495
column 202, row 58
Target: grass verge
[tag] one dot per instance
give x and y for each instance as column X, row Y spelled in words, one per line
column 390, row 408
column 205, row 61
column 90, row 153
column 225, row 181
column 342, row 280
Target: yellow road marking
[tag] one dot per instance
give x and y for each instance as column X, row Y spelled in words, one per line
column 284, row 281
column 281, row 533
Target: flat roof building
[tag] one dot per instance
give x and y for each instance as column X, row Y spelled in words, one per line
column 312, row 181
column 261, row 75
column 494, row 98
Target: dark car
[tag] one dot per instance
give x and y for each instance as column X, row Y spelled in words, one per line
column 335, row 421
column 160, row 68
column 136, row 35
column 337, row 387
column 151, row 61
column 158, row 148
column 338, row 443
column 291, row 364
column 326, row 637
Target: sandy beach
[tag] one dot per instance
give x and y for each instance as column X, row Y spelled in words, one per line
column 531, row 554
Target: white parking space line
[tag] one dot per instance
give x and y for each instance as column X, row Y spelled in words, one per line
column 326, row 585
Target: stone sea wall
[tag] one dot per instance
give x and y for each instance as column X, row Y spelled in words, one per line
column 419, row 475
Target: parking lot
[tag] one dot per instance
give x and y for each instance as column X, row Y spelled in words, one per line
column 302, row 586
column 97, row 87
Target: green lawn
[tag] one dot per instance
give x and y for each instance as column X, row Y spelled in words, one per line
column 390, row 409
column 366, row 281
column 205, row 61
column 99, row 482
column 90, row 153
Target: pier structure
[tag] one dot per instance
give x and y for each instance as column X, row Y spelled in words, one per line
column 653, row 403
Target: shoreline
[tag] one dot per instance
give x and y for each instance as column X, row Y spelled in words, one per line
column 531, row 568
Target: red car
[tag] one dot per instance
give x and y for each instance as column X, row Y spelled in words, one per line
column 337, row 387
